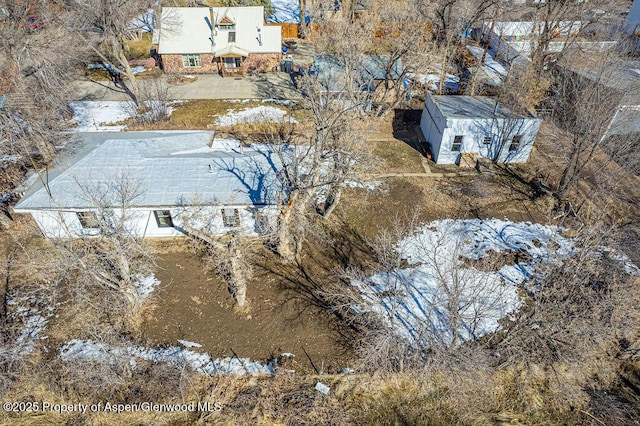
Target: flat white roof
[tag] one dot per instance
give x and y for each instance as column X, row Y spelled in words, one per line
column 171, row 168
column 472, row 107
column 185, row 30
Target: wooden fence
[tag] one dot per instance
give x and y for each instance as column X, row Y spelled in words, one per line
column 289, row 30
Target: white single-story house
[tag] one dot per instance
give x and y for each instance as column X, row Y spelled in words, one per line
column 229, row 40
column 476, row 124
column 170, row 178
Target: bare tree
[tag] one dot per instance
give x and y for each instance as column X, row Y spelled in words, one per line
column 585, row 107
column 580, row 308
column 39, row 58
column 107, row 24
column 317, row 161
column 230, row 254
column 112, row 256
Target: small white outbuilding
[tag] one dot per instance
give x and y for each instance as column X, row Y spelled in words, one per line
column 453, row 125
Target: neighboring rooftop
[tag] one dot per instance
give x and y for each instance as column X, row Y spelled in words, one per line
column 472, row 107
column 187, row 30
column 330, row 70
column 171, row 168
column 618, row 73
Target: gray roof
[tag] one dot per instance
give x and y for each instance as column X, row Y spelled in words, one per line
column 171, row 168
column 330, row 70
column 618, row 74
column 472, row 107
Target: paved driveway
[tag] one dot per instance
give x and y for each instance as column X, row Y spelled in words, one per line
column 207, row 86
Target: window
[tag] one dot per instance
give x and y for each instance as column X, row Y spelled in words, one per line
column 232, row 36
column 88, row 220
column 231, row 217
column 191, row 60
column 163, row 218
column 486, row 140
column 232, row 62
column 262, row 225
column 515, row 143
column 457, row 143
column 227, row 26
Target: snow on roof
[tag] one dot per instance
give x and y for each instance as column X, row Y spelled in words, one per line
column 285, row 11
column 471, row 107
column 171, row 168
column 185, row 30
column 494, row 71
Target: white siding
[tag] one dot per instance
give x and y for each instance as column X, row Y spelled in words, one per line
column 142, row 222
column 474, row 132
column 433, row 125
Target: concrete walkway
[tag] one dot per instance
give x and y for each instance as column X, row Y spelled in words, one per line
column 207, row 86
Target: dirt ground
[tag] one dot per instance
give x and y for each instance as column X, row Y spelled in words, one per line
column 194, row 305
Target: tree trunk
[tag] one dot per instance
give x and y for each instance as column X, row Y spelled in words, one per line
column 332, row 200
column 303, row 25
column 237, row 273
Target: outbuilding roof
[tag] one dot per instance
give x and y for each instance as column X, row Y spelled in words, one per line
column 169, row 169
column 472, row 107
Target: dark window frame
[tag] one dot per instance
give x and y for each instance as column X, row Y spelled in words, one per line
column 161, row 218
column 230, row 218
column 515, row 143
column 88, row 220
column 456, row 146
column 232, row 37
column 487, row 140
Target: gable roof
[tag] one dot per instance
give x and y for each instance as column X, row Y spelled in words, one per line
column 171, row 168
column 185, row 30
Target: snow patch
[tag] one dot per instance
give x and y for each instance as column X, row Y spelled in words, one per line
column 145, row 285
column 107, row 116
column 416, row 301
column 369, row 186
column 287, row 102
column 88, row 350
column 91, row 116
column 253, row 115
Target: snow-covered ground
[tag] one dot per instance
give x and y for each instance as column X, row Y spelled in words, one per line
column 439, row 295
column 253, row 115
column 90, row 116
column 33, row 316
column 200, row 362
